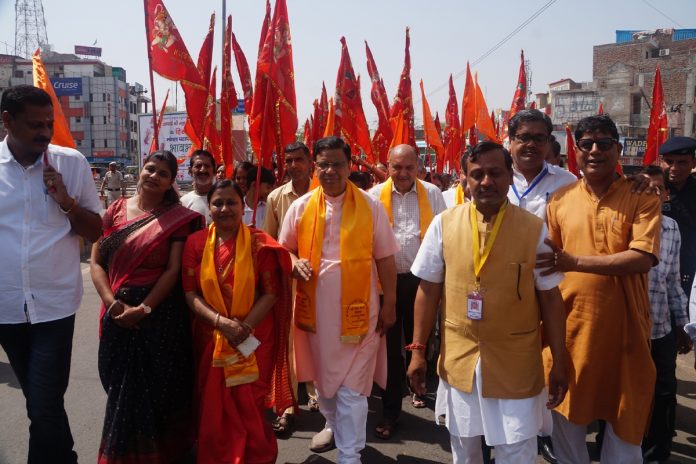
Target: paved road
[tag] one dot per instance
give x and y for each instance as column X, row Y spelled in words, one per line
column 418, row 440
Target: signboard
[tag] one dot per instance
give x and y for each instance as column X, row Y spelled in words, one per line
column 84, row 50
column 64, row 86
column 171, row 137
column 634, row 147
column 240, row 107
column 102, row 153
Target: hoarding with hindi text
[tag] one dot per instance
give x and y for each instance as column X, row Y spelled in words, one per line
column 171, row 138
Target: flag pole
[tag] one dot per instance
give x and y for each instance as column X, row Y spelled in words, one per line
column 152, row 79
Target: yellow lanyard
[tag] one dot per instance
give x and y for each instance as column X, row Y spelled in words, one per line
column 480, row 260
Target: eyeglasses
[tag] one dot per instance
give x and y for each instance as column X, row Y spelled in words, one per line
column 325, row 165
column 538, row 139
column 602, row 144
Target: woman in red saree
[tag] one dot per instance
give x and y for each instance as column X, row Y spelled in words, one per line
column 237, row 284
column 145, row 360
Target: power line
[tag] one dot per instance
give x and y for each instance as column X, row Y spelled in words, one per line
column 662, row 13
column 495, row 47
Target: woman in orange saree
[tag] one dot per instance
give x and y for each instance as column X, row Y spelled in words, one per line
column 237, row 285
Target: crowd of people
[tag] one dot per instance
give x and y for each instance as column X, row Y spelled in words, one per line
column 556, row 302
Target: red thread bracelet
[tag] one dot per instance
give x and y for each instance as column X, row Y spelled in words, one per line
column 415, row 347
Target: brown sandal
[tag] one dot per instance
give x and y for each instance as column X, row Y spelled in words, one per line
column 385, row 429
column 283, row 424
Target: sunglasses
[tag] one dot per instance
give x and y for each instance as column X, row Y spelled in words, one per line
column 602, row 144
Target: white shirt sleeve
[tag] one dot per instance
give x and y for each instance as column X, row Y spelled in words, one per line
column 550, row 281
column 430, row 263
column 690, row 328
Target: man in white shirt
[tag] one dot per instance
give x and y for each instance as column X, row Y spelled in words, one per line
column 202, row 170
column 47, row 199
column 265, row 186
column 113, row 183
column 411, row 204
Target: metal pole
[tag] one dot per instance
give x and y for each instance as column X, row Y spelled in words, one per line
column 152, row 79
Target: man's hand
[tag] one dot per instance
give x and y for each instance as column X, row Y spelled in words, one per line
column 558, row 384
column 416, row 373
column 387, row 318
column 55, row 187
column 302, row 270
column 684, row 344
column 557, row 261
column 642, row 183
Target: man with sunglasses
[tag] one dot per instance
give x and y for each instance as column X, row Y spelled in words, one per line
column 678, row 161
column 605, row 239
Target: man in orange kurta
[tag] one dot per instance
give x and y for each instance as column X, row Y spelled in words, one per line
column 606, row 240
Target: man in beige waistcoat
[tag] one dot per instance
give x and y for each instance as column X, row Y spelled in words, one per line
column 479, row 258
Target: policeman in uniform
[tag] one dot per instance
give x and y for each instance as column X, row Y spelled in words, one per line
column 678, row 160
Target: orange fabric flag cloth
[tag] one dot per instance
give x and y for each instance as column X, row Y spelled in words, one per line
column 657, row 130
column 432, row 135
column 61, row 129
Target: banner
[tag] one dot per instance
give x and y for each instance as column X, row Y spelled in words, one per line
column 171, row 137
column 67, row 86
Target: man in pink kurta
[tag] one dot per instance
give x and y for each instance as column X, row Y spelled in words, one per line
column 343, row 372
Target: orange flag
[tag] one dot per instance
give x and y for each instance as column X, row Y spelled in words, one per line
column 438, row 126
column 432, row 136
column 520, row 98
column 211, row 136
column 570, row 149
column 483, row 119
column 228, row 102
column 274, row 93
column 469, row 104
column 657, row 130
column 61, row 129
column 307, row 135
column 329, row 127
column 453, row 134
column 321, row 113
column 403, row 103
column 160, row 117
column 197, row 95
column 349, row 116
column 383, row 135
column 244, row 75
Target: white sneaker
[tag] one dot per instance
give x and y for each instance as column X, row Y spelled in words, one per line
column 323, row 441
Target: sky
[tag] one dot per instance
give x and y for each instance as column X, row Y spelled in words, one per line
column 444, row 35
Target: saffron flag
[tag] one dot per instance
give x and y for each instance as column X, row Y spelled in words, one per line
column 432, row 136
column 403, row 103
column 329, row 126
column 520, row 98
column 570, row 149
column 469, row 106
column 274, row 93
column 438, row 126
column 321, row 113
column 264, row 27
column 61, row 130
column 244, row 75
column 657, row 129
column 197, row 95
column 228, row 102
column 383, row 135
column 349, row 116
column 160, row 117
column 601, row 108
column 211, row 138
column 483, row 120
column 170, row 58
column 453, row 134
column 307, row 135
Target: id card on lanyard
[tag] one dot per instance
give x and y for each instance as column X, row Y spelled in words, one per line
column 474, row 303
column 534, row 183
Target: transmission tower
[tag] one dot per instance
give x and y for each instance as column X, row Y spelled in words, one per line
column 30, row 27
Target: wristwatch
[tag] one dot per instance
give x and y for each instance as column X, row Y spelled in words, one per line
column 146, row 308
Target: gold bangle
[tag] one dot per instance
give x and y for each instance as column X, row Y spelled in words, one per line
column 67, row 211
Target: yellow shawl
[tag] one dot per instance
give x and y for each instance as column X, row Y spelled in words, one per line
column 425, row 211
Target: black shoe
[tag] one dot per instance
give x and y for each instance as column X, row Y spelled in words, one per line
column 545, row 449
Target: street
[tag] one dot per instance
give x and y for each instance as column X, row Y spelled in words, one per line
column 417, row 440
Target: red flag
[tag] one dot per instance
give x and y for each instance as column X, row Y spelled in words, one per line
column 657, row 130
column 438, row 126
column 570, row 149
column 211, row 137
column 520, row 98
column 274, row 93
column 483, row 120
column 601, row 108
column 532, row 105
column 244, row 75
column 61, row 129
column 264, row 27
column 469, row 107
column 170, row 58
column 453, row 134
column 228, row 101
column 197, row 95
column 321, row 113
column 383, row 134
column 350, row 117
column 403, row 102
column 432, row 136
column 307, row 137
column 158, row 123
